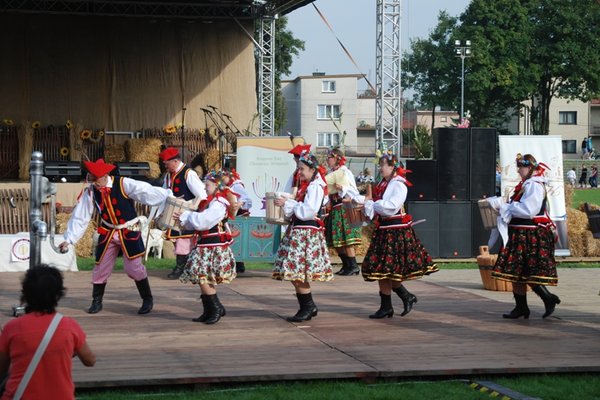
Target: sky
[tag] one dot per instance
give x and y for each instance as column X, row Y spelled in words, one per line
column 353, row 22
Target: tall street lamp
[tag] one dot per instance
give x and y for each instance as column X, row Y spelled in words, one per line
column 463, row 51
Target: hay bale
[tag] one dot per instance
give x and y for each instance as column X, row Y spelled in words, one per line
column 83, row 248
column 154, row 170
column 114, row 153
column 213, row 159
column 578, row 231
column 143, row 150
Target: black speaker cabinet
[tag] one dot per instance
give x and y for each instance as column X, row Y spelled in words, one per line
column 483, row 162
column 136, row 170
column 62, row 171
column 455, row 229
column 424, row 180
column 451, row 149
column 428, row 231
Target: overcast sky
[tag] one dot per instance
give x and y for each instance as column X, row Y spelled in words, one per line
column 353, row 21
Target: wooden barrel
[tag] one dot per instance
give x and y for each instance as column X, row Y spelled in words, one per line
column 489, row 216
column 274, row 213
column 355, row 215
column 172, row 205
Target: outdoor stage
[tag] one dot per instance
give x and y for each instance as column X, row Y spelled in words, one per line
column 452, row 331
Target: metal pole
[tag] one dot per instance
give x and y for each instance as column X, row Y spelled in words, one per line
column 462, row 86
column 37, row 227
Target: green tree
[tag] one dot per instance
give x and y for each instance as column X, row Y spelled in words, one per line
column 428, row 67
column 286, row 47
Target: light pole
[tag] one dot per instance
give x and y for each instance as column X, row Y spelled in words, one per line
column 462, row 51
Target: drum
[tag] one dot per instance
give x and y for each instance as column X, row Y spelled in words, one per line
column 488, row 214
column 355, row 215
column 172, row 205
column 274, row 214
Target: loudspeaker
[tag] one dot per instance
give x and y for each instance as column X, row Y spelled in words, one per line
column 62, row 171
column 455, row 229
column 136, row 170
column 451, row 149
column 424, row 180
column 483, row 162
column 428, row 231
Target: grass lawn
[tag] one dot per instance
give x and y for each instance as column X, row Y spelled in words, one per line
column 548, row 387
column 591, row 196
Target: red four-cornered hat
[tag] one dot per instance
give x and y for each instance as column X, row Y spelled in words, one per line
column 299, row 148
column 169, row 153
column 98, row 168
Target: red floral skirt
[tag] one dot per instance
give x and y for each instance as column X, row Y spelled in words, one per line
column 528, row 257
column 396, row 254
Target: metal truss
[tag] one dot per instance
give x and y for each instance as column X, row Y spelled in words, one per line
column 266, row 76
column 388, row 105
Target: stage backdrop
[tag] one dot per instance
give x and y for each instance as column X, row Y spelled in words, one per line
column 264, row 166
column 124, row 74
column 546, row 149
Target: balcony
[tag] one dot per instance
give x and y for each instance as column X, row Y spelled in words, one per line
column 595, row 130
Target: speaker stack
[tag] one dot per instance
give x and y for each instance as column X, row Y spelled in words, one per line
column 445, row 191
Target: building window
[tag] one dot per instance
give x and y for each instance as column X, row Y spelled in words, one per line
column 567, row 117
column 328, row 87
column 328, row 111
column 443, row 119
column 569, row 146
column 328, row 139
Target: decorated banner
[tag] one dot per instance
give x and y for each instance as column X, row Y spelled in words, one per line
column 546, row 149
column 264, row 166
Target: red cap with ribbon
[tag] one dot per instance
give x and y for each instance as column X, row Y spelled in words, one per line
column 98, row 168
column 299, row 149
column 169, row 154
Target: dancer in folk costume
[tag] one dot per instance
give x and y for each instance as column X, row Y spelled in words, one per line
column 120, row 231
column 211, row 262
column 185, row 184
column 528, row 255
column 232, row 179
column 395, row 254
column 338, row 231
column 302, row 256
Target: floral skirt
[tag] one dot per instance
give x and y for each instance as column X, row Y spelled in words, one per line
column 528, row 257
column 303, row 256
column 396, row 254
column 338, row 232
column 209, row 265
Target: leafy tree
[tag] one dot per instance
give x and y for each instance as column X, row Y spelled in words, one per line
column 428, row 67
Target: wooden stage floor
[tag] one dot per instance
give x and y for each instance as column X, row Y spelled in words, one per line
column 450, row 332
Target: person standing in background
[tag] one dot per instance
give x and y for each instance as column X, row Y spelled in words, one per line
column 583, row 176
column 572, row 176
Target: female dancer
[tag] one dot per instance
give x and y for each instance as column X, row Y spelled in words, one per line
column 395, row 253
column 211, row 262
column 528, row 256
column 338, row 232
column 302, row 256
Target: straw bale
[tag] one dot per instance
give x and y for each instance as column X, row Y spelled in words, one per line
column 154, row 170
column 168, row 250
column 83, row 248
column 213, row 159
column 143, row 150
column 577, row 227
column 591, row 206
column 114, row 153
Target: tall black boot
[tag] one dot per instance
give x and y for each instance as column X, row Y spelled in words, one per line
column 520, row 310
column 146, row 295
column 308, row 308
column 204, row 315
column 214, row 312
column 351, row 268
column 344, row 259
column 408, row 299
column 385, row 309
column 240, row 267
column 180, row 261
column 97, row 295
column 550, row 300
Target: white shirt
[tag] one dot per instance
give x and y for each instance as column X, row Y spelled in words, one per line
column 314, row 199
column 192, row 181
column 206, row 219
column 391, row 202
column 139, row 191
column 571, row 174
column 238, row 187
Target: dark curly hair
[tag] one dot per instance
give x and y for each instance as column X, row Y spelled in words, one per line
column 42, row 288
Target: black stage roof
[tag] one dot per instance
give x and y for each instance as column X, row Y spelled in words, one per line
column 200, row 9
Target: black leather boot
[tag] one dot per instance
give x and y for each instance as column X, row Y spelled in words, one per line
column 214, row 312
column 240, row 267
column 520, row 310
column 344, row 259
column 146, row 295
column 180, row 261
column 97, row 295
column 550, row 300
column 308, row 308
column 408, row 299
column 204, row 315
column 351, row 268
column 385, row 309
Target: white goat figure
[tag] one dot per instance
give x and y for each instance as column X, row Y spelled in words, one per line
column 154, row 237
